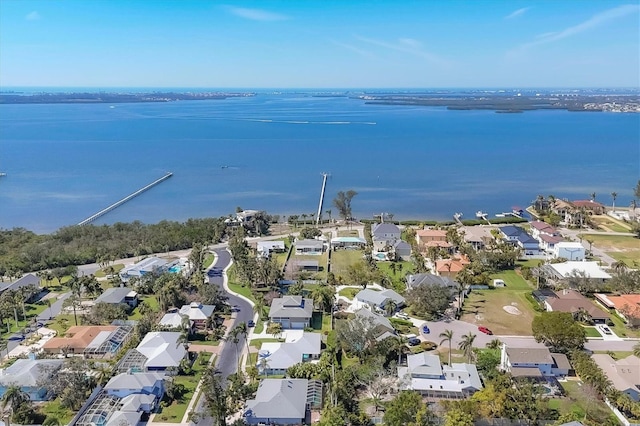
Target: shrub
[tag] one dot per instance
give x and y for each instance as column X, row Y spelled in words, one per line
column 428, row 346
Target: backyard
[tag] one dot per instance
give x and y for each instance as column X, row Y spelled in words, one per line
column 292, row 268
column 340, row 261
column 506, row 309
column 580, row 400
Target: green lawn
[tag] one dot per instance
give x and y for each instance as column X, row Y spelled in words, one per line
column 150, row 301
column 252, row 359
column 259, row 326
column 592, row 332
column 174, row 412
column 54, row 409
column 626, row 249
column 101, row 272
column 398, row 277
column 62, row 323
column 350, row 292
column 31, row 309
column 208, row 260
column 321, row 321
column 620, row 327
column 576, row 401
column 341, row 259
column 322, row 265
column 486, row 307
column 350, row 233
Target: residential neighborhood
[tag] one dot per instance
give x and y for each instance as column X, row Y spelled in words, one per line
column 335, row 324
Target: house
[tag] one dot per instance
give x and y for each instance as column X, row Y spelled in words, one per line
column 379, row 299
column 306, row 265
column 381, row 327
column 198, row 313
column 590, row 205
column 416, row 280
column 533, row 362
column 25, row 281
column 425, row 374
column 564, row 270
column 30, row 375
column 477, row 236
column 627, row 306
column 518, row 236
column 125, row 384
column 158, row 351
column 123, row 400
column 118, row 295
column 245, row 216
column 274, row 358
column 89, row 340
column 539, row 228
column 265, row 248
column 571, row 301
column 572, row 251
column 432, row 238
column 401, row 250
column 451, row 267
column 174, row 320
column 385, row 232
column 548, row 243
column 624, row 373
column 349, row 243
column 146, row 266
column 309, row 247
column 291, row 312
column 278, row 402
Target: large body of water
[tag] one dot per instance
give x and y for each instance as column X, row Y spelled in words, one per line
column 66, row 162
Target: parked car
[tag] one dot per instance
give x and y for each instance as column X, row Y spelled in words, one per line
column 235, row 308
column 402, row 315
column 251, row 323
column 18, row 337
column 605, row 329
column 414, row 341
column 485, row 330
column 425, row 329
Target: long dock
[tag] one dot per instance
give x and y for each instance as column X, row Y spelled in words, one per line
column 324, row 186
column 124, row 200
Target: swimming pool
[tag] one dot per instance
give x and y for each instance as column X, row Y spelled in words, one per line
column 381, row 256
column 175, row 268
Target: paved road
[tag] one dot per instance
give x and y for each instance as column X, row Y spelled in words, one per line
column 227, row 362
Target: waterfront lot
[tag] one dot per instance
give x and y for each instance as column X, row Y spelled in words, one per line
column 486, row 307
column 341, row 259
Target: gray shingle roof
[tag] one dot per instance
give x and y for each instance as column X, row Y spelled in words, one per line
column 416, row 280
column 529, row 356
column 114, row 295
column 317, row 244
column 26, row 280
column 384, row 228
column 291, row 307
column 279, row 398
column 378, row 320
column 379, row 298
column 133, row 381
column 29, row 372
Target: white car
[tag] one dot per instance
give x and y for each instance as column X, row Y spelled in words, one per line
column 402, row 315
column 605, row 329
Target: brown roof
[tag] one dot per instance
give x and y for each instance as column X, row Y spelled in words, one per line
column 442, row 244
column 431, row 233
column 529, row 356
column 627, row 302
column 450, row 265
column 543, row 226
column 78, row 337
column 561, row 361
column 552, row 239
column 525, row 372
column 574, row 305
column 589, row 204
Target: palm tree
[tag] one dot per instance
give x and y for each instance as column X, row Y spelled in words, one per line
column 447, row 336
column 14, row 397
column 328, row 212
column 614, row 195
column 323, row 297
column 304, row 218
column 466, row 345
column 636, row 350
column 390, row 307
column 593, row 196
column 494, row 344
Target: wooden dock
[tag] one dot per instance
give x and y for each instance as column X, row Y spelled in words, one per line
column 124, row 200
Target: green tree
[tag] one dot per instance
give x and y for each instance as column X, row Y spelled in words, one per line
column 559, row 331
column 429, row 300
column 457, row 417
column 466, row 345
column 215, row 396
column 447, row 336
column 342, row 203
column 14, row 398
column 275, row 329
column 323, row 297
column 403, row 409
column 636, row 350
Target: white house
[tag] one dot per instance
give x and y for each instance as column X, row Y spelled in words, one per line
column 309, row 247
column 278, row 402
column 275, row 358
column 378, row 299
column 425, row 374
column 265, row 248
column 572, row 251
column 624, row 373
column 533, row 362
column 146, row 266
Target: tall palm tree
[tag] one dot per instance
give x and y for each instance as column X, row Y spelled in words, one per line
column 636, row 350
column 390, row 307
column 494, row 344
column 447, row 336
column 329, row 213
column 466, row 345
column 593, row 196
column 614, row 195
column 323, row 297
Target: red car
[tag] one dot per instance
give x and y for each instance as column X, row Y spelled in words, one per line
column 485, row 330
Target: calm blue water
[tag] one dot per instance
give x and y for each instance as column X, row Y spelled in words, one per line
column 66, row 162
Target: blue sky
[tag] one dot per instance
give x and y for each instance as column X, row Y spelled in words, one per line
column 320, row 44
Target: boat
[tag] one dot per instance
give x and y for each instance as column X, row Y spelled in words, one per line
column 503, row 214
column 2, row 174
column 480, row 214
column 224, row 167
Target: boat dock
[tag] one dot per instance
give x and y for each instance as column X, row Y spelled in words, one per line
column 124, row 200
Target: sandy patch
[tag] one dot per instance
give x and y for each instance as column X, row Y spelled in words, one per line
column 512, row 310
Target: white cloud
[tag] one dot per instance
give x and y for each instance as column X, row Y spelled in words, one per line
column 517, row 13
column 33, row 16
column 256, row 14
column 591, row 23
column 353, row 48
column 406, row 45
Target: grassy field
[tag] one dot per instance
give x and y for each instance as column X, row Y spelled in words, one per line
column 397, row 277
column 607, row 223
column 348, row 233
column 620, row 328
column 62, row 323
column 101, row 272
column 619, row 247
column 174, row 412
column 592, row 332
column 150, row 301
column 208, row 260
column 256, row 343
column 341, row 259
column 350, row 292
column 486, row 307
column 322, row 265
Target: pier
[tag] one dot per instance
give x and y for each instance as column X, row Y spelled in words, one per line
column 324, row 185
column 124, row 200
